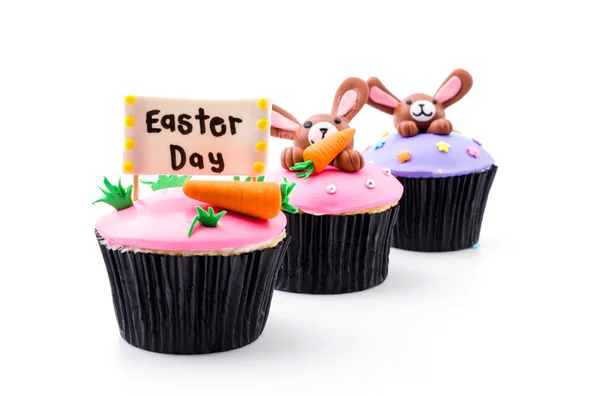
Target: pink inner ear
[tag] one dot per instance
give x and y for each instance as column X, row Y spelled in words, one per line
column 347, row 102
column 278, row 121
column 449, row 90
column 377, row 95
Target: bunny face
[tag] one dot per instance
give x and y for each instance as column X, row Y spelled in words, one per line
column 421, row 111
column 350, row 97
column 421, row 108
column 319, row 126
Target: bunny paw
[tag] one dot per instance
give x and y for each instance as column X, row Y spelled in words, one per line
column 440, row 127
column 291, row 156
column 408, row 128
column 349, row 161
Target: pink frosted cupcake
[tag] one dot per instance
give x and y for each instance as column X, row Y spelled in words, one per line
column 341, row 235
column 188, row 279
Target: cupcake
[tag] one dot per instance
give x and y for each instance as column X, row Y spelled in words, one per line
column 192, row 267
column 205, row 293
column 447, row 176
column 341, row 235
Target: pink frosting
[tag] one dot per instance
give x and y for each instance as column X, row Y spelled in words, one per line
column 161, row 222
column 350, row 189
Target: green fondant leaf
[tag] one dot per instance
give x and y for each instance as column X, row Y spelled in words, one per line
column 260, row 178
column 308, row 166
column 236, row 178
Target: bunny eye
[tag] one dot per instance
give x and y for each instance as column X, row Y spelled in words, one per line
column 408, row 102
column 337, row 120
column 435, row 101
column 307, row 124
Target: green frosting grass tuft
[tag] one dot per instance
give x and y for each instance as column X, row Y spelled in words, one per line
column 207, row 219
column 116, row 196
column 167, row 181
column 286, row 189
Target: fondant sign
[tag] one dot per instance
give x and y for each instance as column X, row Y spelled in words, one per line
column 195, row 137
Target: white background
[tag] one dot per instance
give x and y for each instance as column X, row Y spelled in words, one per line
column 518, row 316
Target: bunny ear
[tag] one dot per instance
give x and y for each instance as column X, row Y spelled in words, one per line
column 454, row 87
column 380, row 97
column 283, row 124
column 350, row 98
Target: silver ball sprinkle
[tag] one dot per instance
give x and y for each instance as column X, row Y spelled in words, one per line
column 387, row 171
column 330, row 189
column 370, row 183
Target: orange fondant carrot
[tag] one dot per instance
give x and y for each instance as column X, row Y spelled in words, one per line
column 257, row 199
column 319, row 155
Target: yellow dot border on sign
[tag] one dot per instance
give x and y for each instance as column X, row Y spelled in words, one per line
column 129, row 121
column 128, row 166
column 259, row 166
column 129, row 143
column 130, row 99
column 262, row 124
column 262, row 103
column 261, row 146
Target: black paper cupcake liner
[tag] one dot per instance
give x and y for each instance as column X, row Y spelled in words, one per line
column 335, row 254
column 192, row 304
column 442, row 214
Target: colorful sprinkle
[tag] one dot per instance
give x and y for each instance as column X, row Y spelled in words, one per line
column 385, row 134
column 379, row 145
column 476, row 141
column 387, row 171
column 476, row 245
column 368, row 147
column 442, row 146
column 473, row 151
column 370, row 183
column 403, row 156
column 371, row 162
column 330, row 189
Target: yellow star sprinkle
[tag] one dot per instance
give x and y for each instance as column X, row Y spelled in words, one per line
column 443, row 146
column 385, row 134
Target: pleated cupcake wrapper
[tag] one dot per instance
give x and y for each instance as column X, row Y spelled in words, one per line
column 333, row 254
column 192, row 304
column 442, row 214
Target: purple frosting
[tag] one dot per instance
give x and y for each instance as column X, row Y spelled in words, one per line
column 464, row 156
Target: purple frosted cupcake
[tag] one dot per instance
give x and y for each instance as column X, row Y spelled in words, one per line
column 447, row 176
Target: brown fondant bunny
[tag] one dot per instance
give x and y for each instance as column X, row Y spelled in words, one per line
column 350, row 97
column 421, row 113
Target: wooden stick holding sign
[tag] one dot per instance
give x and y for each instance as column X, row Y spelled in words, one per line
column 195, row 137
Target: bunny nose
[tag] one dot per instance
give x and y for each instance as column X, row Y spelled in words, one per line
column 323, row 130
column 421, row 105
